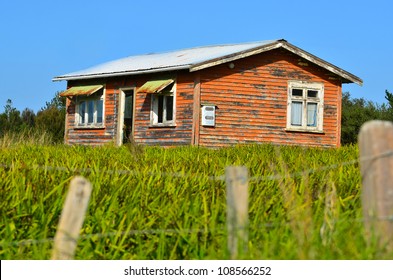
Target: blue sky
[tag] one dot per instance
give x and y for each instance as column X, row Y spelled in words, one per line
column 42, row 39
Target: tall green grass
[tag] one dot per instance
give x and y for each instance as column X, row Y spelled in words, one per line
column 25, row 137
column 155, row 203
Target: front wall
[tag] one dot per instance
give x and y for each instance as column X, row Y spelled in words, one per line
column 251, row 101
column 180, row 134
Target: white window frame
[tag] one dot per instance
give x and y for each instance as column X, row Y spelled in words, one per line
column 305, row 99
column 94, row 97
column 154, row 118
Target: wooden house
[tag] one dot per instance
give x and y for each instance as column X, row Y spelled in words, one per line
column 260, row 92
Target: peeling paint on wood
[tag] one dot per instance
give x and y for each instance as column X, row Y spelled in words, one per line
column 236, row 122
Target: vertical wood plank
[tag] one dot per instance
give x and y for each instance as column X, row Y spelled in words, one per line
column 339, row 114
column 237, row 209
column 65, row 138
column 375, row 146
column 196, row 110
column 71, row 219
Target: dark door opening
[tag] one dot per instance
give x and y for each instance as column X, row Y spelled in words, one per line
column 128, row 116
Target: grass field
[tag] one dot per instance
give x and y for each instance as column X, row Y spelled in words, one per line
column 155, row 203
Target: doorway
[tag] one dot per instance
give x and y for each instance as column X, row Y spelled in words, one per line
column 126, row 116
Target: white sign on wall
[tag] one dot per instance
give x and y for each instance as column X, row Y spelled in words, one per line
column 208, row 115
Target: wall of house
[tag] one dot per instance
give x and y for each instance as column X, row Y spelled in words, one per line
column 251, row 101
column 180, row 134
column 92, row 136
column 144, row 133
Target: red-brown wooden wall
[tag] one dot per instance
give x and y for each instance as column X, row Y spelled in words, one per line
column 143, row 131
column 251, row 101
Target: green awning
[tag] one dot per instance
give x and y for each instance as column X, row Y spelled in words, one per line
column 81, row 90
column 155, row 86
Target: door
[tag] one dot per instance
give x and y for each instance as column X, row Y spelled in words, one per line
column 126, row 117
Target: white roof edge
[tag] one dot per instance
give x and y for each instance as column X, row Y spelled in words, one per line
column 236, row 56
column 322, row 63
column 116, row 74
column 281, row 44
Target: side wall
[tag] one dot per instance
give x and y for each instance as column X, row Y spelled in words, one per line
column 251, row 101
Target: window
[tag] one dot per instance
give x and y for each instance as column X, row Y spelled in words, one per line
column 305, row 107
column 90, row 110
column 162, row 109
column 162, row 101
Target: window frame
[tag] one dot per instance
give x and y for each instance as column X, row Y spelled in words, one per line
column 305, row 87
column 170, row 91
column 95, row 97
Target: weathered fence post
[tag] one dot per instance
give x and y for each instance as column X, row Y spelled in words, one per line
column 71, row 219
column 236, row 178
column 376, row 163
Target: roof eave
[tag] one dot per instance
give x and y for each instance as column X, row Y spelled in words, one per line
column 236, row 56
column 116, row 74
column 346, row 76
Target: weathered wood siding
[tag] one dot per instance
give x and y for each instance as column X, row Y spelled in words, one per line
column 180, row 134
column 91, row 136
column 144, row 133
column 251, row 101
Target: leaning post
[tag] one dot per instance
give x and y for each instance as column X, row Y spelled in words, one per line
column 71, row 219
column 376, row 164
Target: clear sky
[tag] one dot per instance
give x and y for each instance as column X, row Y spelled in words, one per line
column 42, row 39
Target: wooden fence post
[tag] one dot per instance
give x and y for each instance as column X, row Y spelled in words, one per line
column 71, row 219
column 236, row 178
column 376, row 163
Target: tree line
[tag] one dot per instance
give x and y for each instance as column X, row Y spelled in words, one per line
column 356, row 111
column 51, row 118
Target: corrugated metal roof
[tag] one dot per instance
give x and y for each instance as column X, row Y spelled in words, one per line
column 174, row 60
column 195, row 59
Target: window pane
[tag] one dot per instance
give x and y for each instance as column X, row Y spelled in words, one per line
column 296, row 113
column 154, row 109
column 99, row 110
column 90, row 111
column 82, row 110
column 297, row 92
column 160, row 111
column 128, row 106
column 312, row 93
column 169, row 108
column 312, row 114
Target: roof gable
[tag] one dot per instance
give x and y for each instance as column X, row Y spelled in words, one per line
column 199, row 58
